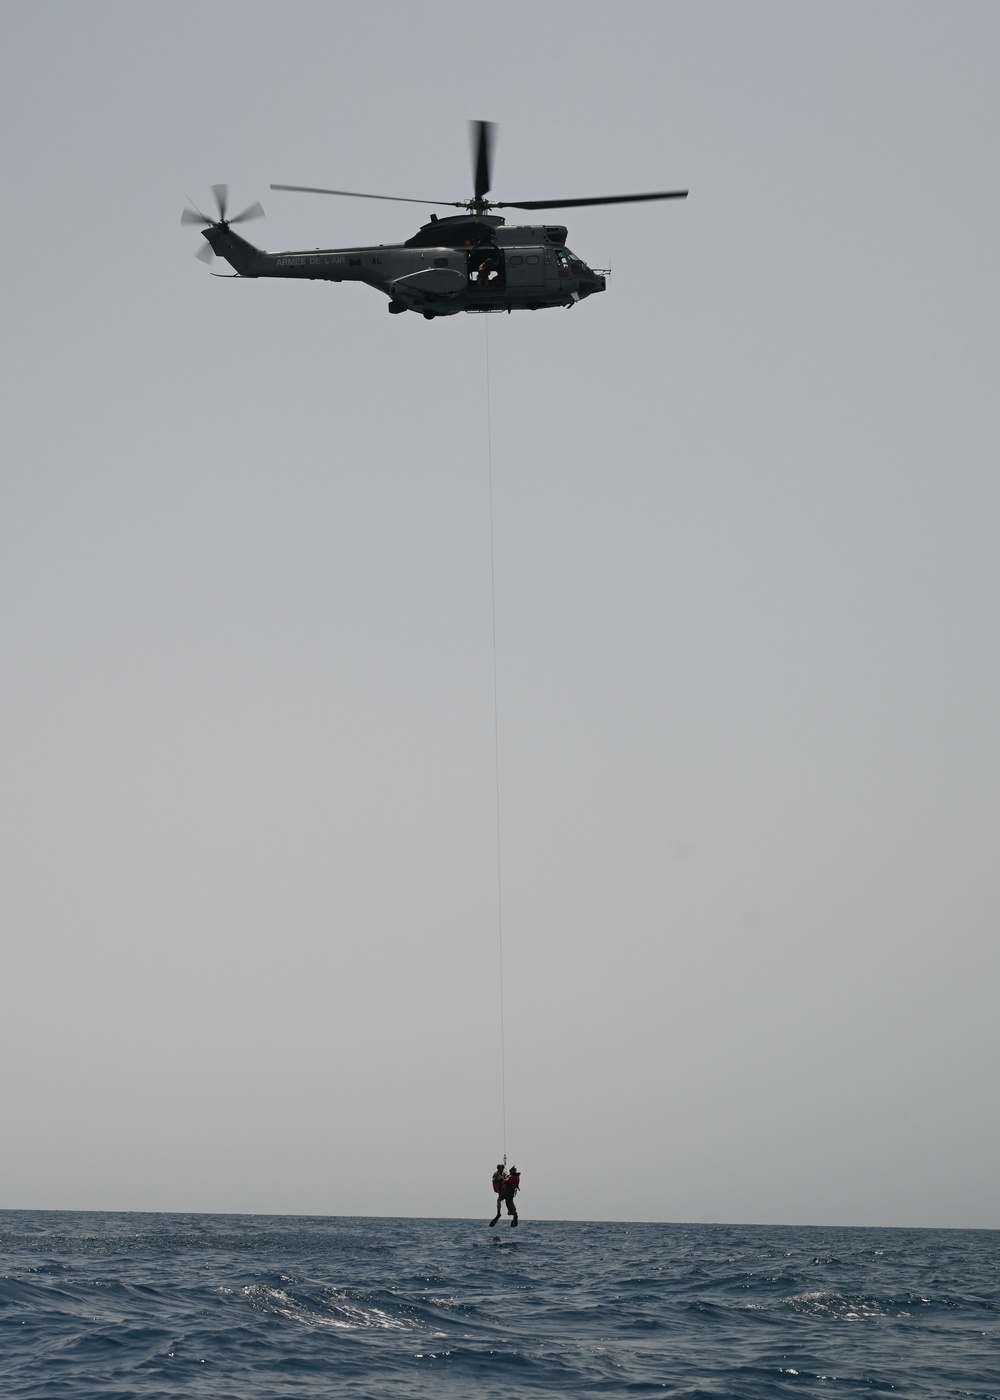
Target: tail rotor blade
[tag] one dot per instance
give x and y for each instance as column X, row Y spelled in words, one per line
column 221, row 193
column 253, row 211
column 194, row 216
column 482, row 154
column 204, row 253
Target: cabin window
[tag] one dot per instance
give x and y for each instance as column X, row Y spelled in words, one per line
column 515, row 261
column 440, row 262
column 532, row 258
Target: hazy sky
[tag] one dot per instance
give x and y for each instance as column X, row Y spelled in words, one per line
column 746, row 523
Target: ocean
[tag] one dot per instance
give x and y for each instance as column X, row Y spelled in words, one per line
column 104, row 1305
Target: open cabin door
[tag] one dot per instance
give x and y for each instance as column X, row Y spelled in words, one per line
column 486, row 269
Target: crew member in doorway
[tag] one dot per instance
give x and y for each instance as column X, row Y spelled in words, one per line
column 510, row 1186
column 499, row 1181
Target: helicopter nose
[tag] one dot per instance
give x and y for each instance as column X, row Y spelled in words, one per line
column 593, row 282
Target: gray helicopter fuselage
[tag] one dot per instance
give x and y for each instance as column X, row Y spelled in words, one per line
column 462, row 263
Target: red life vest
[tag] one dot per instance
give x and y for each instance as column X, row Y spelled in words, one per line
column 513, row 1182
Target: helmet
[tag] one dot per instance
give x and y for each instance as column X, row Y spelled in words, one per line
column 499, row 1166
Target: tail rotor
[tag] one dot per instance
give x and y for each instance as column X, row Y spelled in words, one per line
column 194, row 215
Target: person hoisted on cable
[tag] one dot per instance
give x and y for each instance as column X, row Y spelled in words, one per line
column 510, row 1188
column 506, row 1185
column 499, row 1179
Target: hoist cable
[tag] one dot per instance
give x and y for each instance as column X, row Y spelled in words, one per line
column 496, row 737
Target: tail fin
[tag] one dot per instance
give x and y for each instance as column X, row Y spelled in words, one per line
column 236, row 250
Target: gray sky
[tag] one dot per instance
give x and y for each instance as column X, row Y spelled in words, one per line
column 746, row 522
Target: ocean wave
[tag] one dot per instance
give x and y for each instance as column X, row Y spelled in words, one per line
column 332, row 1307
column 849, row 1307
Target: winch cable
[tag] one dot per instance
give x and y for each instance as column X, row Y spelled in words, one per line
column 496, row 736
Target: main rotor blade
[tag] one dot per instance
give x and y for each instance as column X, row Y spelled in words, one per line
column 601, row 199
column 483, row 134
column 195, row 216
column 221, row 193
column 354, row 194
column 253, row 211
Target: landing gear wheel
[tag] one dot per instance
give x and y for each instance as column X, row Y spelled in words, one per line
column 429, row 315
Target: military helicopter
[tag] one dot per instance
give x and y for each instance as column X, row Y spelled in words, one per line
column 472, row 261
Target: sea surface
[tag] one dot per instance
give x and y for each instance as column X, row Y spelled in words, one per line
column 103, row 1305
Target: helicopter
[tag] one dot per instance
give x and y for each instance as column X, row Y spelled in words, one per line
column 474, row 261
